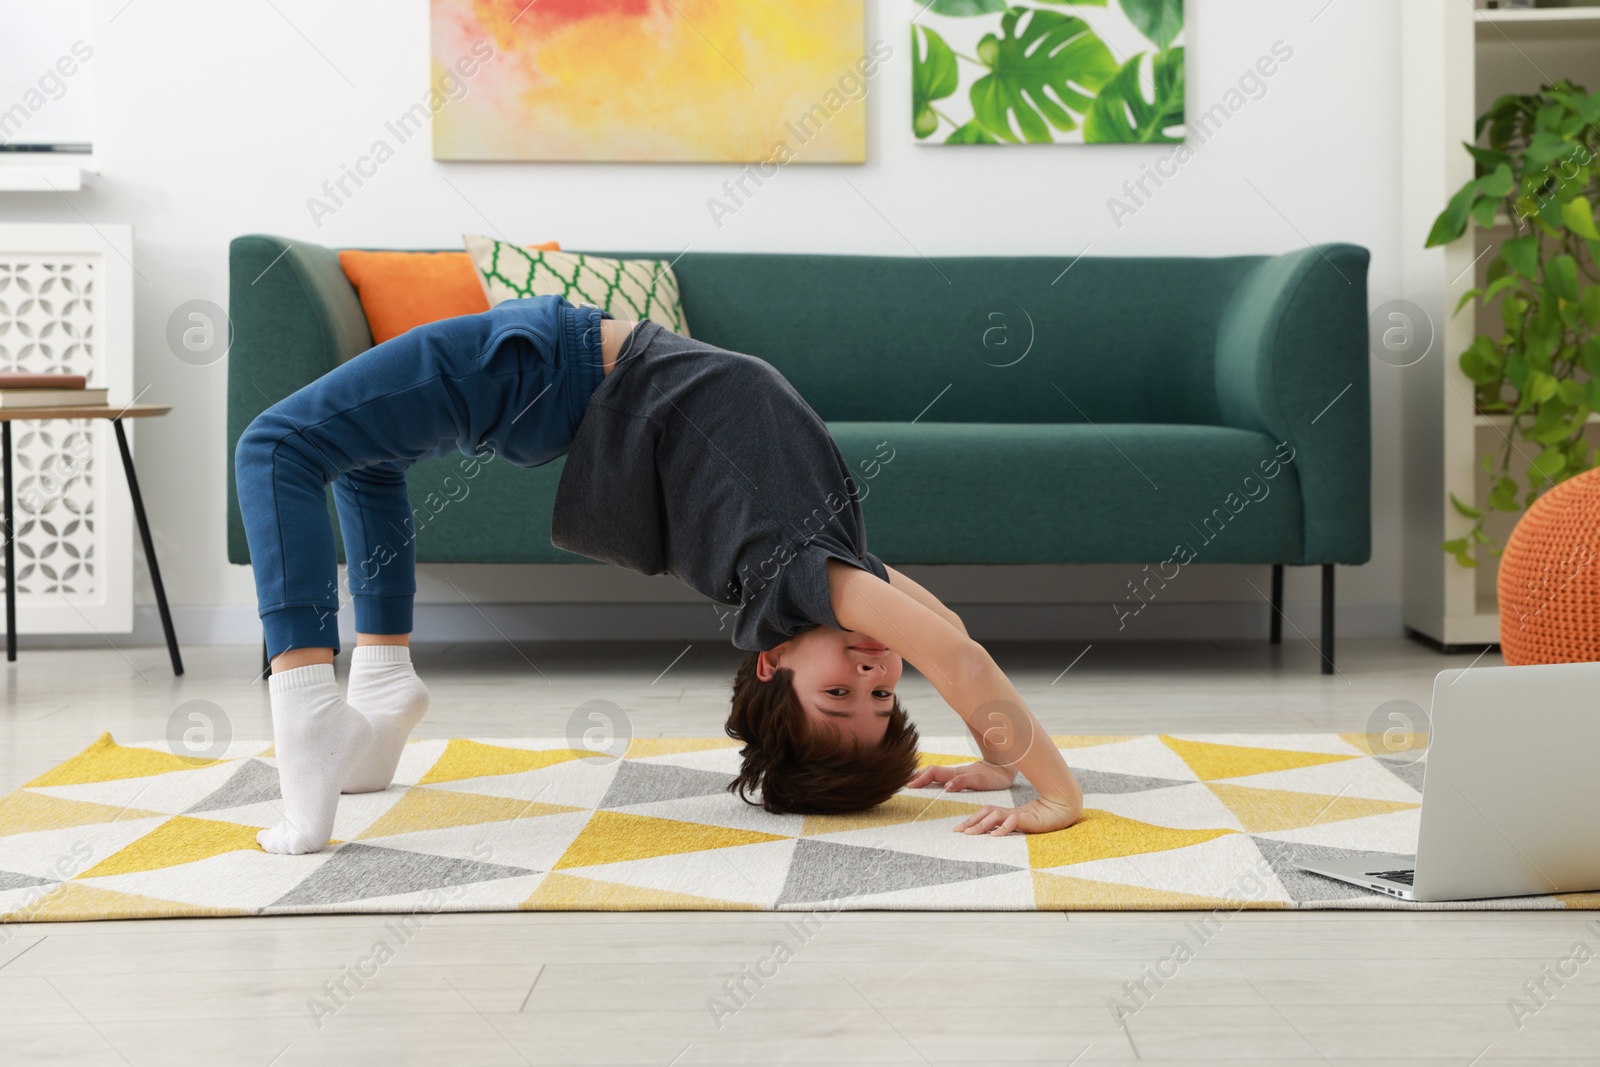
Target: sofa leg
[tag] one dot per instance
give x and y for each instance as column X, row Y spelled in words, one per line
column 1277, row 604
column 1327, row 618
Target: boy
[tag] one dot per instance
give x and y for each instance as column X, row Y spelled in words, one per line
column 682, row 458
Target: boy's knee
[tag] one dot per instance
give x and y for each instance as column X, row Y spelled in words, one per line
column 269, row 434
column 257, row 443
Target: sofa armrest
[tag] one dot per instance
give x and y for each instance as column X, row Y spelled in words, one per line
column 1292, row 363
column 295, row 317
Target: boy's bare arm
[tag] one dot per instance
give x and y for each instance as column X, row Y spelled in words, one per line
column 974, row 685
column 925, row 598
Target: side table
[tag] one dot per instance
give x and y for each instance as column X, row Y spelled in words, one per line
column 96, row 411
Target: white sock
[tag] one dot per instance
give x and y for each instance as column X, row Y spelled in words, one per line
column 385, row 689
column 318, row 738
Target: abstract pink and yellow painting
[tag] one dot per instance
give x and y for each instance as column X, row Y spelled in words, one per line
column 737, row 81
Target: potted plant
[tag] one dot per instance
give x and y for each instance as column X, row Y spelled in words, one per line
column 1537, row 173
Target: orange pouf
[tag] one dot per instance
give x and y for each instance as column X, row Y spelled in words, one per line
column 1549, row 582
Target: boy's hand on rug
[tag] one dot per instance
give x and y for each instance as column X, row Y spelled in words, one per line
column 1037, row 816
column 982, row 777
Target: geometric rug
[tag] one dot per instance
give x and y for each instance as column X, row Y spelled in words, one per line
column 1184, row 822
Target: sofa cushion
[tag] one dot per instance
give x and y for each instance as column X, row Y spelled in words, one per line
column 399, row 290
column 1076, row 493
column 630, row 289
column 935, row 492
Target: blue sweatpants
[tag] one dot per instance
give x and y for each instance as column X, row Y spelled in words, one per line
column 510, row 383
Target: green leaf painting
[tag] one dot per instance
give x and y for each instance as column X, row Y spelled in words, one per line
column 1048, row 72
column 1122, row 114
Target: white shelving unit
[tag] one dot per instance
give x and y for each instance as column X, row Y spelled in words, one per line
column 41, row 177
column 1458, row 59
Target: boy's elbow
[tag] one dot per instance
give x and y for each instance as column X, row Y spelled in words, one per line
column 970, row 664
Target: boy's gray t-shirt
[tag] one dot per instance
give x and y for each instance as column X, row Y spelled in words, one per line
column 707, row 465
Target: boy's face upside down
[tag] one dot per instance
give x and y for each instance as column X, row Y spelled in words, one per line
column 843, row 679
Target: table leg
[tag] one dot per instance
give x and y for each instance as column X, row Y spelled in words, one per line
column 149, row 548
column 11, row 550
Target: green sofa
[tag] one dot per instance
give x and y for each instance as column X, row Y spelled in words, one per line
column 999, row 409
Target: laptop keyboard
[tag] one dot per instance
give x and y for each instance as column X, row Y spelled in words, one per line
column 1404, row 877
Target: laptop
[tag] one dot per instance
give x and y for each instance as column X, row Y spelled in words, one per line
column 1510, row 790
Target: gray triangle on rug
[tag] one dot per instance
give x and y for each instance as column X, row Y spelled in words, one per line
column 1303, row 885
column 1408, row 771
column 1099, row 782
column 12, row 880
column 648, row 783
column 357, row 872
column 827, row 870
column 253, row 783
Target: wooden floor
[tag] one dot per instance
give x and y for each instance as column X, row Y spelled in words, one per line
column 870, row 987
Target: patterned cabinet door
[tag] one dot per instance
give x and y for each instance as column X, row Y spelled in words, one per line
column 66, row 307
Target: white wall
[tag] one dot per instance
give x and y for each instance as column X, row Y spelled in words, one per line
column 220, row 119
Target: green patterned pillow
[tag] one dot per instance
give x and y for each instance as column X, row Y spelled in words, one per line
column 632, row 289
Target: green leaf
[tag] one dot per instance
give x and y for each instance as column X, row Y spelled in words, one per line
column 967, row 8
column 1058, row 53
column 1483, row 212
column 1561, row 275
column 1550, row 462
column 1578, row 214
column 1469, row 512
column 1545, row 148
column 1481, row 362
column 1159, row 20
column 1503, row 497
column 1459, row 548
column 1522, row 253
column 1488, row 159
column 1121, row 115
column 1538, row 388
column 1497, row 183
column 933, row 77
column 1466, row 297
column 1452, row 221
column 972, row 133
column 1495, row 287
column 1589, row 359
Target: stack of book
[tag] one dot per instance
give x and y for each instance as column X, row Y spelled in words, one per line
column 18, row 390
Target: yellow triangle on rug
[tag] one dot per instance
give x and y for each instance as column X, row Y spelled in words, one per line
column 181, row 839
column 616, row 837
column 1055, row 892
column 1264, row 811
column 1210, row 760
column 474, row 759
column 107, row 761
column 1101, row 835
column 566, row 892
column 25, row 813
column 75, row 902
column 424, row 808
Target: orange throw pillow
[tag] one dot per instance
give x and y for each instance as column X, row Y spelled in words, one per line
column 399, row 290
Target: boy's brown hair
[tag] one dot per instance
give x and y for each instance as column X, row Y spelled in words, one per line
column 799, row 770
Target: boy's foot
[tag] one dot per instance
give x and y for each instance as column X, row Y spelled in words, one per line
column 385, row 689
column 318, row 738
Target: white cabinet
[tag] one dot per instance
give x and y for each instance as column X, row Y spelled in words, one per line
column 1458, row 59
